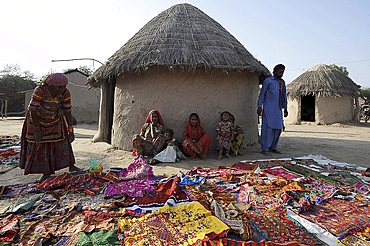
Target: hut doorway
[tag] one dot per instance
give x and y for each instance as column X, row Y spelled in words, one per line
column 308, row 108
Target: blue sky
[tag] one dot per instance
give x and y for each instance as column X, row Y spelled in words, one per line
column 299, row 34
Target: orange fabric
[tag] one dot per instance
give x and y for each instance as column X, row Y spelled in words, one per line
column 203, row 144
column 191, row 149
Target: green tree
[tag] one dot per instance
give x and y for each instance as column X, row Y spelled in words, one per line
column 84, row 69
column 341, row 68
column 365, row 93
column 13, row 79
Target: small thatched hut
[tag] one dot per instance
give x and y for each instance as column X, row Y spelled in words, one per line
column 182, row 61
column 322, row 95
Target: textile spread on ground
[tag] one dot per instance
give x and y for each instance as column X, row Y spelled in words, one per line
column 301, row 201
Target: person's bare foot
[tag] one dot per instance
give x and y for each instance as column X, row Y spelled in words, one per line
column 74, row 169
column 202, row 158
column 219, row 157
column 228, row 156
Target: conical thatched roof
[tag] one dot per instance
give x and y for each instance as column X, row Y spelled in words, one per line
column 323, row 80
column 181, row 36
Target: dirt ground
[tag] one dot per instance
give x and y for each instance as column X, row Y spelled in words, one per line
column 348, row 143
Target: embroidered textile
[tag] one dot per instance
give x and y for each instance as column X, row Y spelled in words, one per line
column 139, row 169
column 352, row 240
column 132, row 188
column 244, row 166
column 236, row 225
column 279, row 228
column 211, row 194
column 184, row 224
column 213, row 172
column 9, row 141
column 9, row 159
column 20, row 190
column 339, row 216
column 164, row 193
column 70, row 201
column 45, row 228
column 272, row 163
column 101, row 238
column 90, row 183
column 232, row 242
column 8, row 228
column 283, row 173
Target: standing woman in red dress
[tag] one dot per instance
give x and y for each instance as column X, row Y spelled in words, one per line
column 47, row 131
column 196, row 142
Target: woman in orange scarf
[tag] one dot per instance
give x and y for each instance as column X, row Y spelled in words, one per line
column 196, row 142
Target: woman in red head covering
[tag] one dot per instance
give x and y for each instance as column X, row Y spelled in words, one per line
column 150, row 140
column 196, row 142
column 47, row 130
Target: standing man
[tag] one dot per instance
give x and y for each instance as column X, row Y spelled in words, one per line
column 273, row 99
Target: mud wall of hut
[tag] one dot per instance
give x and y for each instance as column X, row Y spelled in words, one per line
column 333, row 109
column 294, row 112
column 85, row 102
column 178, row 94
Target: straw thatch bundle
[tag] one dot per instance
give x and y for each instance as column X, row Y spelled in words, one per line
column 180, row 37
column 323, row 80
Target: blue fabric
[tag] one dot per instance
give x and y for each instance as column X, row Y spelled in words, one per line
column 274, row 99
column 269, row 137
column 190, row 181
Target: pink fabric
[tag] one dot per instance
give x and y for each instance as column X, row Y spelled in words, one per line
column 132, row 188
column 139, row 169
column 138, row 180
column 56, row 79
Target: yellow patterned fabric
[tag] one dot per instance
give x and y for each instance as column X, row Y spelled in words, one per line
column 182, row 225
column 352, row 240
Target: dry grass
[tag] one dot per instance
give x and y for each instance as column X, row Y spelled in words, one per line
column 323, row 80
column 181, row 37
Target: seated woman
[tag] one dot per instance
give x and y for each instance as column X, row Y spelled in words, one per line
column 150, row 140
column 196, row 142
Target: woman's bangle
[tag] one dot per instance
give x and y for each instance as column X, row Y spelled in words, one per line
column 70, row 128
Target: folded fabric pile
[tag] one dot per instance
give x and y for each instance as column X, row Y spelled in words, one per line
column 9, row 153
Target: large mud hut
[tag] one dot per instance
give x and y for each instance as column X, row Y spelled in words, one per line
column 182, row 61
column 322, row 95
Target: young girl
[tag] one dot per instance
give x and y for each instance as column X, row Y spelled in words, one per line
column 237, row 141
column 225, row 132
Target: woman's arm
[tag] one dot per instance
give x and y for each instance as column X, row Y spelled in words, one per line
column 69, row 119
column 67, row 111
column 37, row 136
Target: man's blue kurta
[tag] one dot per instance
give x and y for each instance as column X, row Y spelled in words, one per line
column 272, row 107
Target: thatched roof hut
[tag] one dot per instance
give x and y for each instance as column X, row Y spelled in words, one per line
column 181, row 61
column 182, row 36
column 323, row 95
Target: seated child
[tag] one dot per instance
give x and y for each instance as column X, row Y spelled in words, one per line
column 169, row 140
column 237, row 142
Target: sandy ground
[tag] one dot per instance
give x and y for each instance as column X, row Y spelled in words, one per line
column 348, row 143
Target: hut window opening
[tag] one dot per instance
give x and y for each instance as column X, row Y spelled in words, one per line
column 308, row 108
